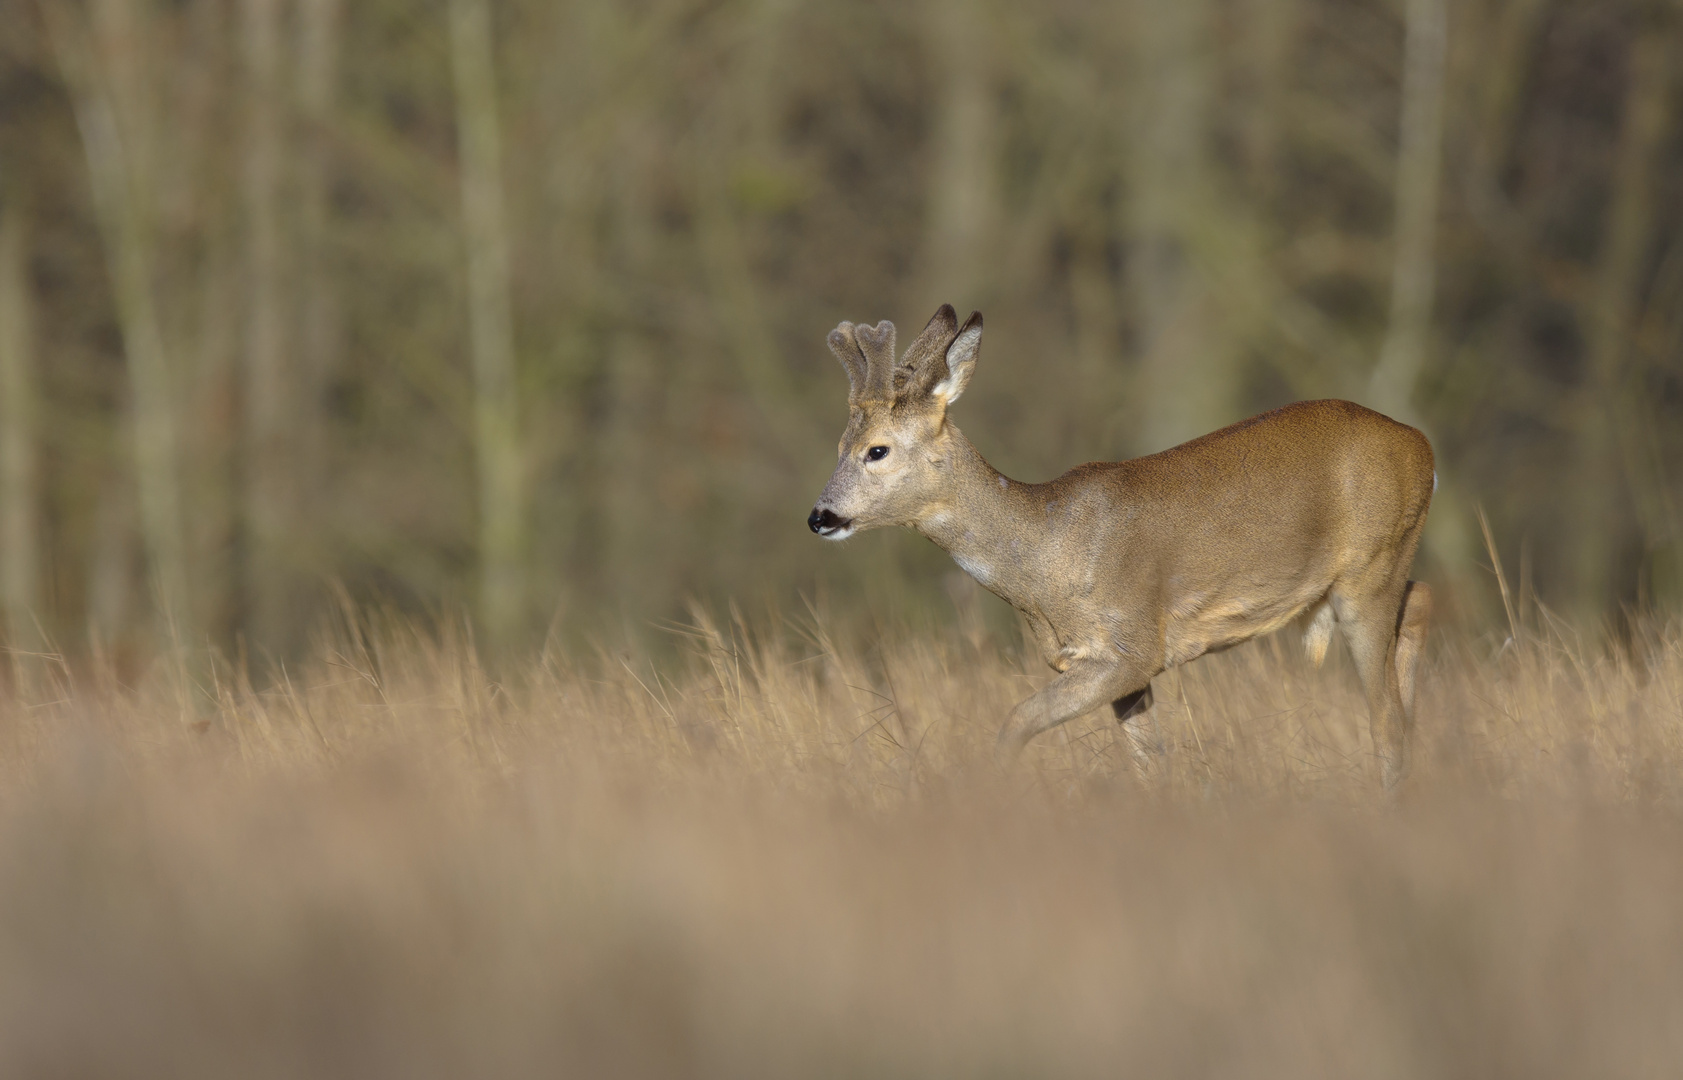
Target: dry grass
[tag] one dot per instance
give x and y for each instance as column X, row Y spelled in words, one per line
column 789, row 855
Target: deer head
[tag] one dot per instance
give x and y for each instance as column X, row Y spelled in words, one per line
column 893, row 460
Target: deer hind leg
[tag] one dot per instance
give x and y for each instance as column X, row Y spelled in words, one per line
column 1085, row 685
column 1317, row 635
column 1131, row 712
column 1412, row 621
column 1369, row 624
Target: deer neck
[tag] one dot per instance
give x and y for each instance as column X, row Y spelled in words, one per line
column 985, row 522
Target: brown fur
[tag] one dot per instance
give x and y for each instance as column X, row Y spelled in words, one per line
column 1126, row 568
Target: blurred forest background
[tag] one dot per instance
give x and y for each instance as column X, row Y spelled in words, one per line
column 520, row 306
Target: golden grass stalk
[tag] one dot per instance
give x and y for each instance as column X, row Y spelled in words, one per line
column 787, row 852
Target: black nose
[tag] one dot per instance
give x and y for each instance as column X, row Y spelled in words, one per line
column 820, row 521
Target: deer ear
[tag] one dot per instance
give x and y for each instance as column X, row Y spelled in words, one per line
column 925, row 361
column 961, row 360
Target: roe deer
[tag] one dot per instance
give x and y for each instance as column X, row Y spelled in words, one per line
column 1126, row 568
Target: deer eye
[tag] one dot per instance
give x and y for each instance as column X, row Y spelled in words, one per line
column 876, row 453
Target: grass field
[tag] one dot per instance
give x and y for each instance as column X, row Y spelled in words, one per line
column 788, row 853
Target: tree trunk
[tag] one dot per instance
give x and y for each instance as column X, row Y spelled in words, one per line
column 742, row 126
column 1188, row 370
column 108, row 94
column 19, row 576
column 960, row 212
column 112, row 559
column 1094, row 300
column 502, row 511
column 1402, row 356
column 1269, row 30
column 1608, row 403
column 1503, row 73
column 268, row 380
column 318, row 312
column 1419, row 165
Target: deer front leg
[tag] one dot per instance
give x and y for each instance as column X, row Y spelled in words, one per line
column 1086, row 683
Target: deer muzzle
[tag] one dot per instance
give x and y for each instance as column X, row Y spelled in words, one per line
column 828, row 525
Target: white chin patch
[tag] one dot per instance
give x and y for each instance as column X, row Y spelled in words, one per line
column 838, row 534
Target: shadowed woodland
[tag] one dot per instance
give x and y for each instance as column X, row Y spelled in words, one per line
column 520, row 307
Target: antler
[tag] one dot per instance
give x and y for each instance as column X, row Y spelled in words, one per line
column 846, row 347
column 877, row 343
column 867, row 352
